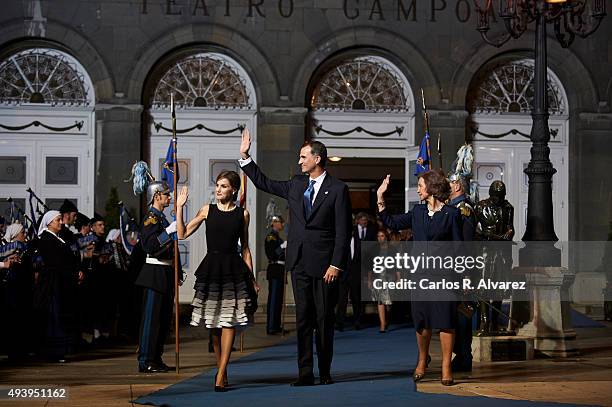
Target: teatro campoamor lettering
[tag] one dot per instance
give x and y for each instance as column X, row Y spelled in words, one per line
column 399, row 10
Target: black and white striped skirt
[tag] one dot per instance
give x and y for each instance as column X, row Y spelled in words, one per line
column 224, row 293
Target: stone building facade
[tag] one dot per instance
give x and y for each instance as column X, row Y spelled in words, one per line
column 291, row 69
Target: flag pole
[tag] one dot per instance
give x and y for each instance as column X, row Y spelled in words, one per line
column 176, row 248
column 440, row 150
column 242, row 203
column 426, row 116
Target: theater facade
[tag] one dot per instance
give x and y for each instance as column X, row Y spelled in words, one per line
column 85, row 91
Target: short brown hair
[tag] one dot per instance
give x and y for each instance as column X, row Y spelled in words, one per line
column 436, row 184
column 317, row 148
column 232, row 177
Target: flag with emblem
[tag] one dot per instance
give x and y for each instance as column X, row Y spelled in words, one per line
column 423, row 162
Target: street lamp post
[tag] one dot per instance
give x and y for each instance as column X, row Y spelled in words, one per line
column 570, row 18
column 545, row 318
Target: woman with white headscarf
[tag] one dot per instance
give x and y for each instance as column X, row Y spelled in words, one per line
column 55, row 289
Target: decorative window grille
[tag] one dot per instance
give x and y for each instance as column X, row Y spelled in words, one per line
column 42, row 76
column 509, row 88
column 362, row 84
column 204, row 80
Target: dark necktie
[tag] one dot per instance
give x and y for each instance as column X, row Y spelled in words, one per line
column 362, row 234
column 308, row 195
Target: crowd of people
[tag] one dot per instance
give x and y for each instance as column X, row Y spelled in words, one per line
column 72, row 284
column 67, row 285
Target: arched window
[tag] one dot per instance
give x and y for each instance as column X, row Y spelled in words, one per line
column 500, row 99
column 204, row 80
column 43, row 76
column 367, row 83
column 509, row 88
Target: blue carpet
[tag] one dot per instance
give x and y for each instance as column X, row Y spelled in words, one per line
column 369, row 369
column 579, row 320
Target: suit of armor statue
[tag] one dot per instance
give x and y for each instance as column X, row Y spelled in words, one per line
column 494, row 223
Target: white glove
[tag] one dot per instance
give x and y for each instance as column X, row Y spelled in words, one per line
column 283, row 245
column 171, row 228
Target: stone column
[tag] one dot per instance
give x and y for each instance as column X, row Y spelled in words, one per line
column 118, row 147
column 451, row 125
column 280, row 135
column 549, row 311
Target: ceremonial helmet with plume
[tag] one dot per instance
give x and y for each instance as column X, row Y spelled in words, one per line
column 461, row 170
column 145, row 181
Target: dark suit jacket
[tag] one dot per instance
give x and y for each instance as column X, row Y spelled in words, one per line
column 370, row 236
column 324, row 238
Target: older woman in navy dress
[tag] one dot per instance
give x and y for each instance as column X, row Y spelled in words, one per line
column 430, row 221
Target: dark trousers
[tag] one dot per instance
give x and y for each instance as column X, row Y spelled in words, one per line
column 349, row 287
column 463, row 342
column 315, row 301
column 275, row 304
column 154, row 326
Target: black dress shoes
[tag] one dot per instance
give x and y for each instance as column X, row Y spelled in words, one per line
column 324, row 380
column 461, row 367
column 303, row 382
column 151, row 369
column 278, row 332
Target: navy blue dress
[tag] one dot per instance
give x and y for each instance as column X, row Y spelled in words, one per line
column 444, row 225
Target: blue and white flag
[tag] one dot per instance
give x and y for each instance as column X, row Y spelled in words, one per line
column 423, row 162
column 168, row 167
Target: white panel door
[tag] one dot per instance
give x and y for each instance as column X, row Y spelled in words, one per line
column 506, row 162
column 201, row 159
column 55, row 169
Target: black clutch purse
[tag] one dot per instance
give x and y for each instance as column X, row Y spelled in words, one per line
column 251, row 307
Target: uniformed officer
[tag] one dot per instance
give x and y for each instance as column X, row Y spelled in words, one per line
column 275, row 250
column 157, row 279
column 463, row 334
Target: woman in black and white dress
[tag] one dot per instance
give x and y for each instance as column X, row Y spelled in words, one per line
column 225, row 297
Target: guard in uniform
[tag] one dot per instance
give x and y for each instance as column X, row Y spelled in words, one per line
column 463, row 334
column 275, row 250
column 157, row 279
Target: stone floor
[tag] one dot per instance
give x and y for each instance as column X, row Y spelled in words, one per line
column 108, row 377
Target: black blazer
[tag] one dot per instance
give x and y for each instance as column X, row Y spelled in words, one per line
column 370, row 236
column 324, row 238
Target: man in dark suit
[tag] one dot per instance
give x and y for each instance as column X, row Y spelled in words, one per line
column 317, row 250
column 350, row 283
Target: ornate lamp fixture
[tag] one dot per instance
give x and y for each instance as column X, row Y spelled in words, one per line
column 570, row 18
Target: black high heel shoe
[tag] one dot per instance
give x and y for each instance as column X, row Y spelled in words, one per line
column 419, row 376
column 220, row 389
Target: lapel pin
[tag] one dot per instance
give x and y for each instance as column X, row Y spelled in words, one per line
column 326, row 192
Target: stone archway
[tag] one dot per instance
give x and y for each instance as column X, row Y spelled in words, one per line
column 362, row 107
column 500, row 99
column 214, row 96
column 47, row 122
